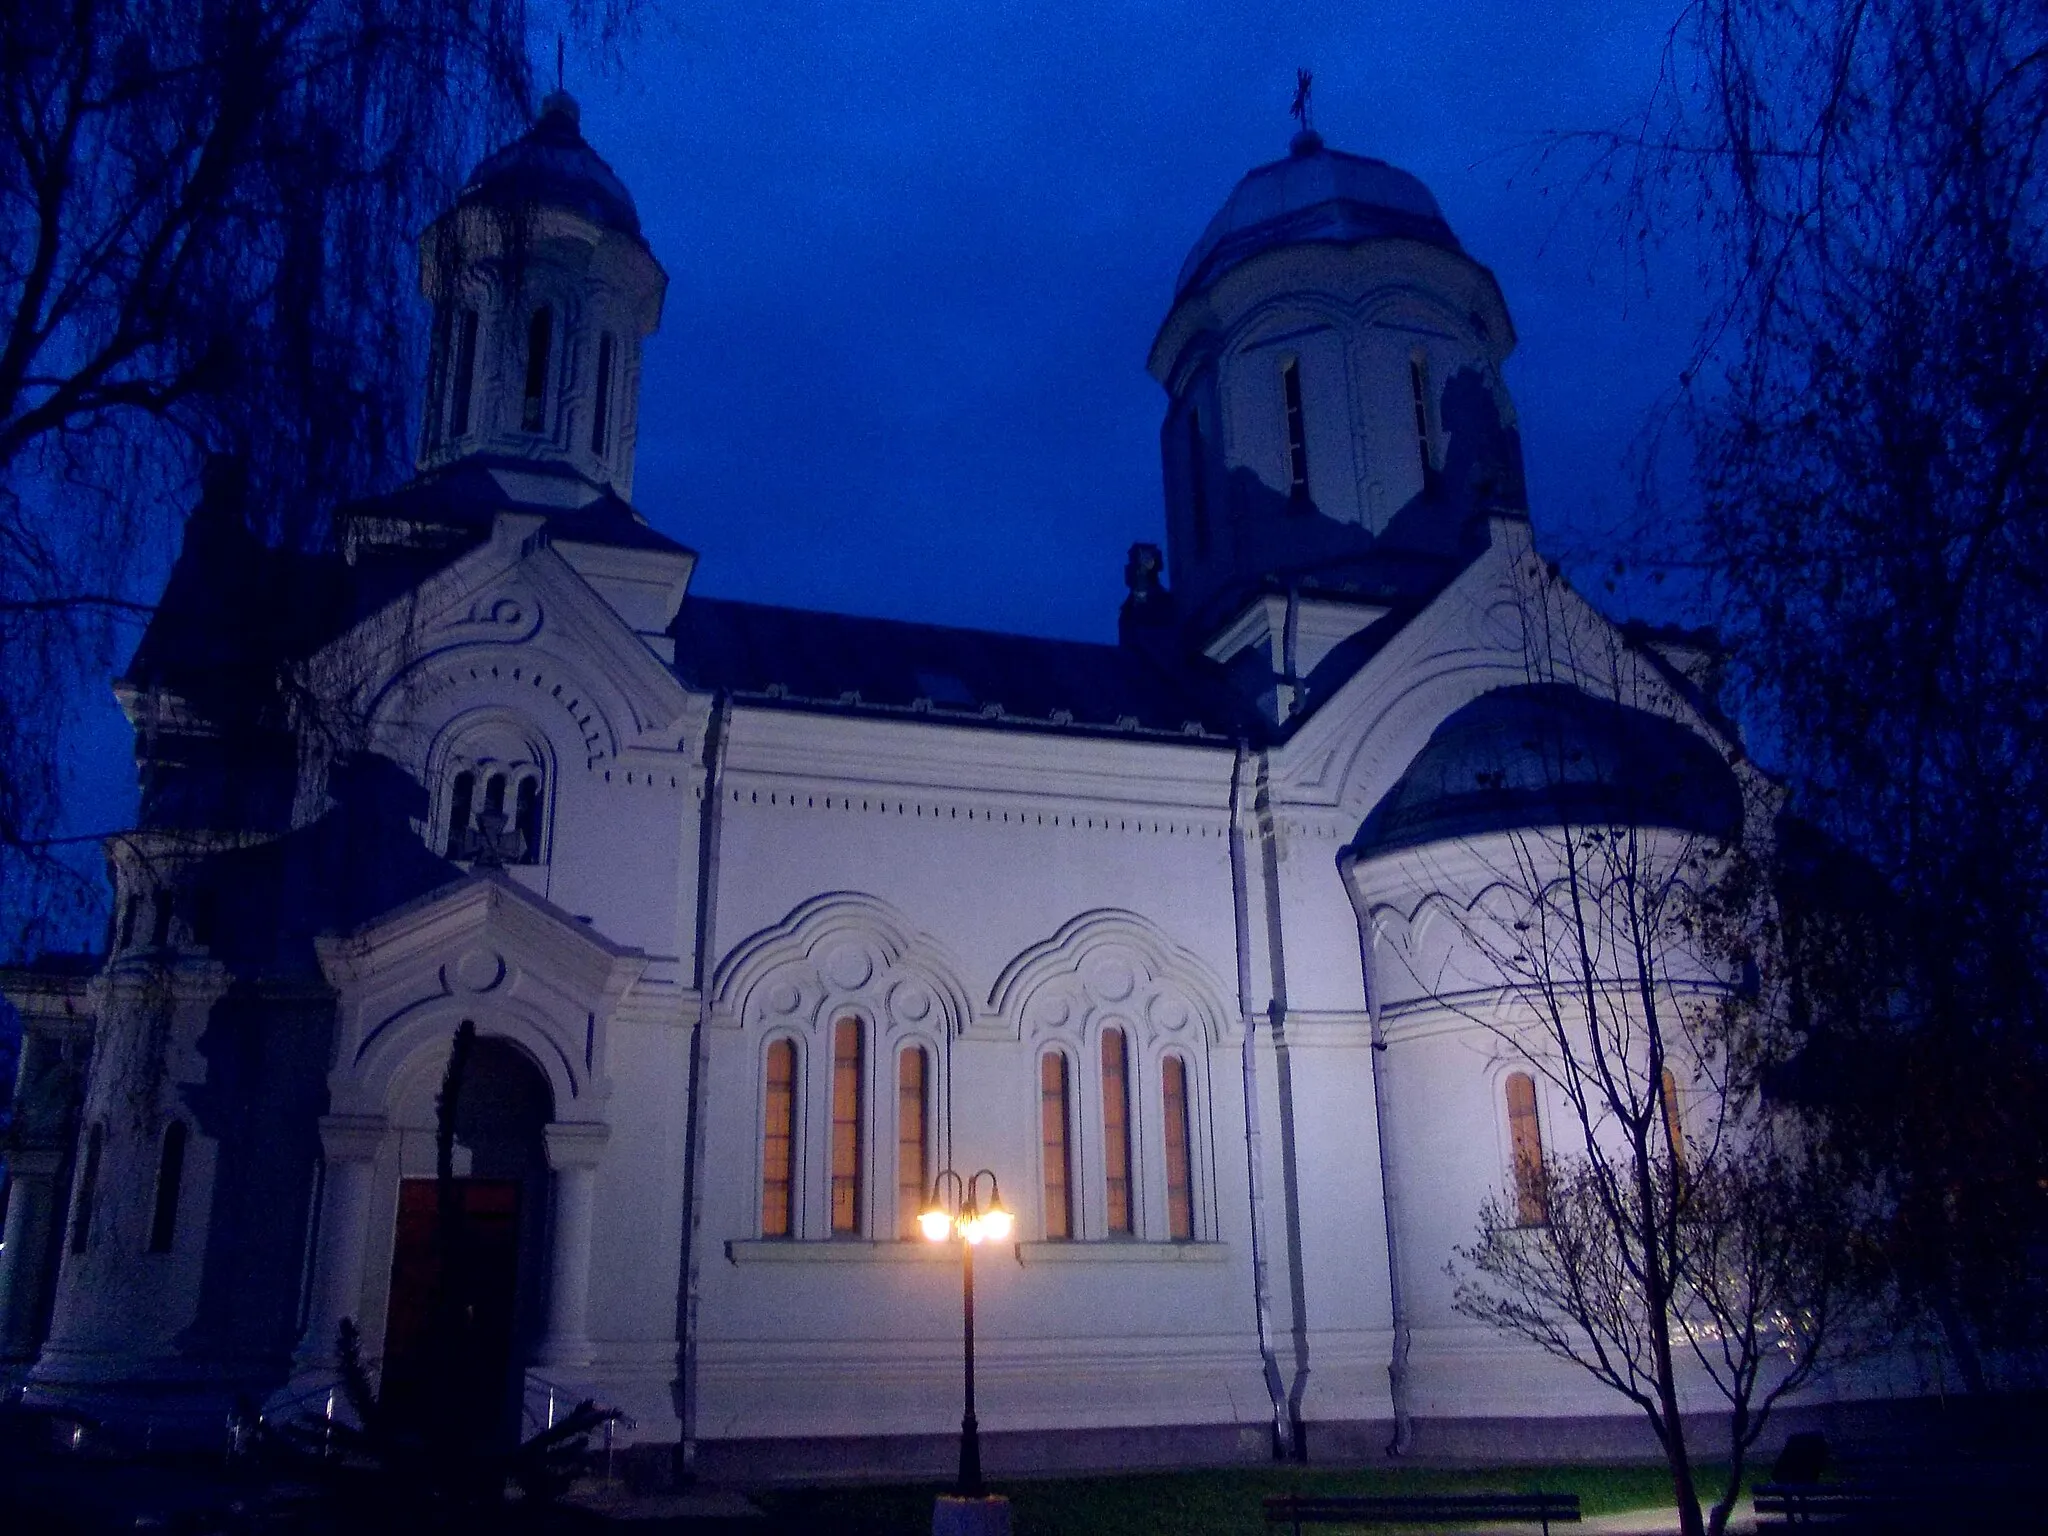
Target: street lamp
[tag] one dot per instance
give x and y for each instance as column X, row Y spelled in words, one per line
column 976, row 1223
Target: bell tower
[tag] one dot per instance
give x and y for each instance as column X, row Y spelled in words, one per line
column 1336, row 416
column 543, row 291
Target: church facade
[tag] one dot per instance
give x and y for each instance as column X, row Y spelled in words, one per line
column 764, row 917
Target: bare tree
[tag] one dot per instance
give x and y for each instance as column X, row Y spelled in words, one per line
column 1864, row 184
column 207, row 219
column 1681, row 1238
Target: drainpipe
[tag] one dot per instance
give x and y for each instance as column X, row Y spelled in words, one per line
column 1397, row 1363
column 1276, row 1387
column 709, row 821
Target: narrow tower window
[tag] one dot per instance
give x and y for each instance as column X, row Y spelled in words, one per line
column 1418, row 383
column 526, row 819
column 846, row 1128
column 1198, row 485
column 461, row 795
column 1525, row 1137
column 494, row 795
column 1180, row 1189
column 778, row 1143
column 465, row 373
column 1054, row 1147
column 540, row 335
column 1116, row 1132
column 170, row 1172
column 88, row 1183
column 601, row 414
column 912, row 1099
column 1297, row 432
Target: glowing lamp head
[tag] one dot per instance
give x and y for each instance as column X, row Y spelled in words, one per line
column 935, row 1224
column 995, row 1224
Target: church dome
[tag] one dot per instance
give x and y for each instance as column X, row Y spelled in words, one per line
column 1545, row 755
column 1316, row 195
column 551, row 165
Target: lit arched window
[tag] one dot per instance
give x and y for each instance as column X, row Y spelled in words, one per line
column 170, row 1173
column 913, row 1112
column 1525, row 1138
column 1667, row 1093
column 846, row 1128
column 778, row 1142
column 1056, row 1144
column 1116, row 1133
column 88, row 1183
column 540, row 337
column 1180, row 1188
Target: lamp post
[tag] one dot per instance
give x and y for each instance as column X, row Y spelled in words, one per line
column 975, row 1223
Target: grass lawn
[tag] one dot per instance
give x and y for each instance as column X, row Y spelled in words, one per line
column 1213, row 1503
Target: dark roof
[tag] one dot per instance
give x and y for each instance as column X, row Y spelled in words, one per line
column 842, row 663
column 1315, row 195
column 550, row 165
column 1545, row 754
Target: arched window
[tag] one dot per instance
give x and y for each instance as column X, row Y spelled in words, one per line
column 1180, row 1187
column 913, row 1106
column 170, row 1172
column 1297, row 431
column 88, row 1183
column 163, row 909
column 1116, row 1134
column 778, row 1143
column 846, row 1128
column 540, row 336
column 1056, row 1144
column 526, row 818
column 461, row 801
column 496, row 769
column 1418, row 384
column 1525, row 1138
column 1198, row 485
column 465, row 373
column 601, row 412
column 1667, row 1094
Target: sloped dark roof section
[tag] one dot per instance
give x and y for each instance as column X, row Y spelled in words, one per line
column 552, row 165
column 1546, row 755
column 798, row 659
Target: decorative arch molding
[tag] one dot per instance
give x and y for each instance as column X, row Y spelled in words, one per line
column 840, row 951
column 486, row 949
column 1109, row 962
column 475, row 677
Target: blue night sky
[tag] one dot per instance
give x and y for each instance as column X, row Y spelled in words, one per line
column 917, row 253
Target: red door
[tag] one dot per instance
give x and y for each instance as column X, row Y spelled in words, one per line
column 448, row 1335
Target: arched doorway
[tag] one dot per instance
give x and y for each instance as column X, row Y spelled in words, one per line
column 467, row 1269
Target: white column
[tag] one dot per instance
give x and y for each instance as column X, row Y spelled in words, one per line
column 351, row 1143
column 573, row 1154
column 32, row 1227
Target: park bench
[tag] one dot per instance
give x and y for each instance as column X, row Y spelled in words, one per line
column 1896, row 1508
column 1544, row 1509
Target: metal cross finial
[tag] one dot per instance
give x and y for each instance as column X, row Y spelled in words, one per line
column 1304, row 82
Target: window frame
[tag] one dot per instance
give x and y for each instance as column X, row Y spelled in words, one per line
column 793, row 1197
column 1530, row 1198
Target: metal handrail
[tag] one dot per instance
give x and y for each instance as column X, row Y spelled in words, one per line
column 556, row 1399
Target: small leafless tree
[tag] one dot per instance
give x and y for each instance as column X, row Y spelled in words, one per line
column 1682, row 1236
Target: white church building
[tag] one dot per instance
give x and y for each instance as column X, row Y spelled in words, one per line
column 764, row 916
